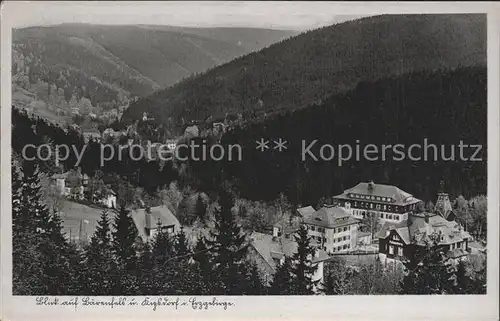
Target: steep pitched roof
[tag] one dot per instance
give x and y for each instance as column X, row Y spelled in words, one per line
column 418, row 231
column 306, row 211
column 270, row 248
column 381, row 193
column 158, row 213
column 443, row 206
column 330, row 217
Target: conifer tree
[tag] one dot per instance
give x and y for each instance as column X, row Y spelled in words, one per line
column 253, row 283
column 303, row 269
column 125, row 254
column 99, row 258
column 147, row 281
column 428, row 272
column 162, row 246
column 283, row 281
column 337, row 280
column 228, row 247
column 26, row 259
column 181, row 245
column 202, row 259
column 163, row 253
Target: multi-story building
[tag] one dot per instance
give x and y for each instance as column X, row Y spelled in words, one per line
column 332, row 229
column 388, row 202
column 409, row 238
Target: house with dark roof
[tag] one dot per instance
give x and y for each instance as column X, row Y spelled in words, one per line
column 269, row 252
column 332, row 228
column 148, row 221
column 409, row 238
column 388, row 202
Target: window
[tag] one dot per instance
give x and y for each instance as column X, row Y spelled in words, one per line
column 391, row 249
column 385, row 207
column 313, row 228
column 400, row 251
column 378, row 207
column 345, row 228
column 324, row 239
column 381, row 215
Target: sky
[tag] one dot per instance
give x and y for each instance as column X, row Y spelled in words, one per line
column 274, row 15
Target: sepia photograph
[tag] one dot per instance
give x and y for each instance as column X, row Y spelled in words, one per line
column 191, row 154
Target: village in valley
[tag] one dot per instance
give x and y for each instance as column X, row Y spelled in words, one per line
column 270, row 223
column 370, row 222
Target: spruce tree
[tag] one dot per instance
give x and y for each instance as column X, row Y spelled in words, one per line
column 162, row 246
column 254, row 284
column 125, row 254
column 26, row 259
column 163, row 253
column 146, row 279
column 181, row 245
column 303, row 269
column 283, row 280
column 228, row 247
column 202, row 258
column 428, row 272
column 99, row 258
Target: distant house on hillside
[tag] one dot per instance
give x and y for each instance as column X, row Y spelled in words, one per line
column 148, row 220
column 94, row 135
column 192, row 131
column 109, row 132
column 59, row 180
column 171, row 144
column 109, row 199
column 71, row 183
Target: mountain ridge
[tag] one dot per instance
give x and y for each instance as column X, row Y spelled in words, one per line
column 295, row 72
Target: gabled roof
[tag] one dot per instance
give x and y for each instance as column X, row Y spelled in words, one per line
column 306, row 211
column 381, row 193
column 158, row 213
column 271, row 248
column 418, row 231
column 330, row 217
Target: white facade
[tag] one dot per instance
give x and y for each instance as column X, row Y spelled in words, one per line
column 377, row 209
column 110, row 201
column 336, row 239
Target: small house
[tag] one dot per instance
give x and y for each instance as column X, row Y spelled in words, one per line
column 149, row 220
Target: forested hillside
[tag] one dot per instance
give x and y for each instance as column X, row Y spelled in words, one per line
column 55, row 67
column 314, row 65
column 442, row 107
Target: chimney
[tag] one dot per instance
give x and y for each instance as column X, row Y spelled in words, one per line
column 371, row 186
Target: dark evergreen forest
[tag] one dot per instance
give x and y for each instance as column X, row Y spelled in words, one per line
column 444, row 107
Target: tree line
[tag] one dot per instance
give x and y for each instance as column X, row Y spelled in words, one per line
column 117, row 262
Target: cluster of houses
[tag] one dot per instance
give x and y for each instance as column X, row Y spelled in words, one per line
column 77, row 186
column 335, row 229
